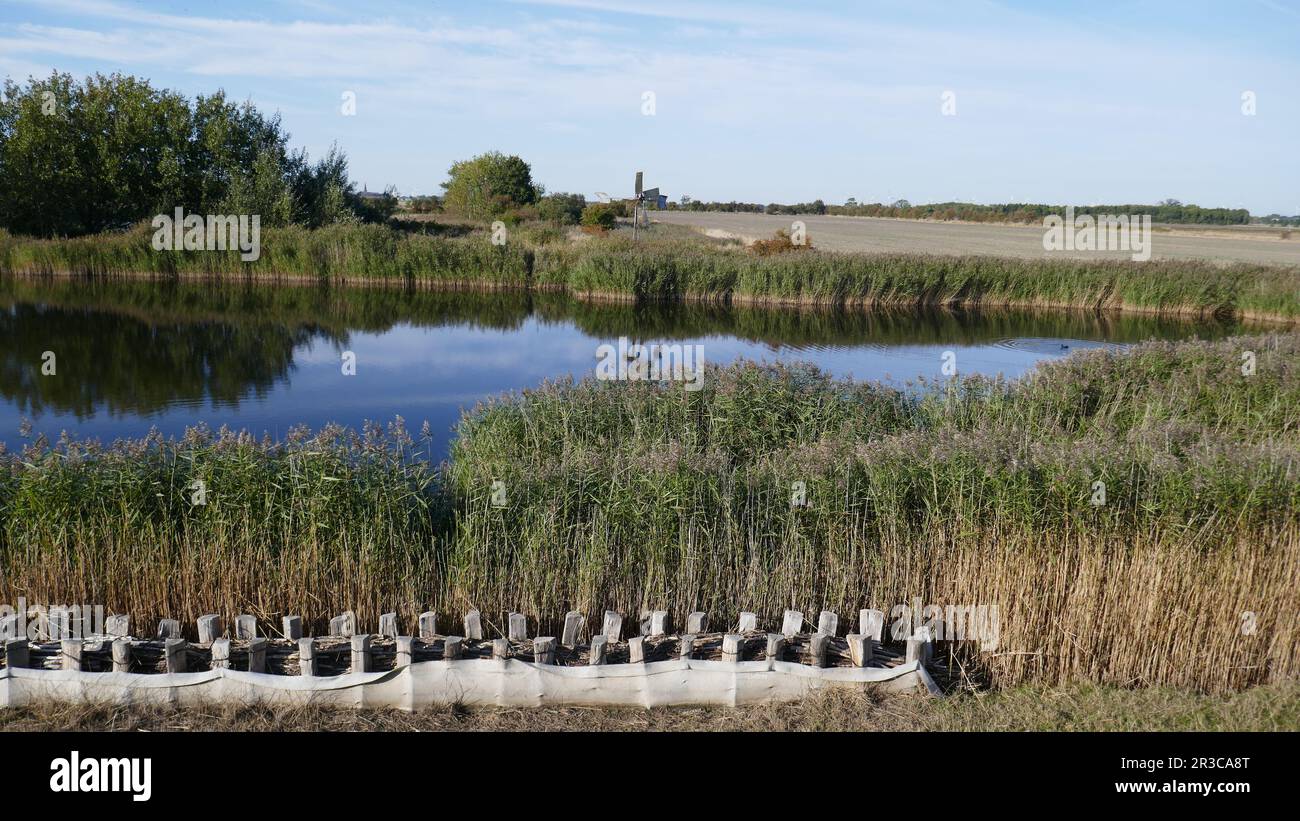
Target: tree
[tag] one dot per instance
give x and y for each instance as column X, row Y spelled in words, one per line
column 110, row 151
column 489, row 185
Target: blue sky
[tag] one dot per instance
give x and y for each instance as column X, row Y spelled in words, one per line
column 782, row 101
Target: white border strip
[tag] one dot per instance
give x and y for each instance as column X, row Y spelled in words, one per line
column 479, row 682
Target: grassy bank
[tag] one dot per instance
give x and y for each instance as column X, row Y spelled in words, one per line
column 676, row 268
column 629, row 495
column 1076, row 708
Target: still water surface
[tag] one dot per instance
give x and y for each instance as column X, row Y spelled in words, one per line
column 131, row 356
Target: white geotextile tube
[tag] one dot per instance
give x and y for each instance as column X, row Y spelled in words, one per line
column 478, row 682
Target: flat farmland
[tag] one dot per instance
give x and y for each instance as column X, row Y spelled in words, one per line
column 1226, row 244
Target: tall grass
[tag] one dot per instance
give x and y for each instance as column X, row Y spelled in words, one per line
column 303, row 525
column 674, row 268
column 633, row 495
column 336, row 253
column 695, row 270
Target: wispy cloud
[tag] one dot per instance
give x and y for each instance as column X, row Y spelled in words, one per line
column 855, row 88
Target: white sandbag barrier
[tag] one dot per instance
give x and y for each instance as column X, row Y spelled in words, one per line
column 415, row 672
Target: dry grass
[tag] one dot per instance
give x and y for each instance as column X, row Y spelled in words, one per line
column 1074, row 708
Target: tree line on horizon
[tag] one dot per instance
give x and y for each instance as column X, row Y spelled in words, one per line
column 1168, row 211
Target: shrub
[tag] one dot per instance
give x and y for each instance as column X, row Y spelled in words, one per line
column 599, row 215
column 779, row 244
column 561, row 208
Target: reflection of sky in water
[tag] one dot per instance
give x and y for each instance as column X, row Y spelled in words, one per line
column 432, row 372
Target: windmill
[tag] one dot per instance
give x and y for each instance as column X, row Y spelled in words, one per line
column 640, row 201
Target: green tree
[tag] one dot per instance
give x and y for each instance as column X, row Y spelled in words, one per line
column 489, row 185
column 110, row 151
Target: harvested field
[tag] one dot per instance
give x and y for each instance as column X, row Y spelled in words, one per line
column 896, row 236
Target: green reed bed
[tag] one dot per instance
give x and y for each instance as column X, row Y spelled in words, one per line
column 692, row 270
column 674, row 268
column 630, row 495
column 337, row 252
column 303, row 525
column 978, row 493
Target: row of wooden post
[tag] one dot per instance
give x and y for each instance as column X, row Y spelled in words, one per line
column 654, row 623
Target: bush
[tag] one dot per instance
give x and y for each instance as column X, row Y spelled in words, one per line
column 780, row 243
column 561, row 208
column 599, row 215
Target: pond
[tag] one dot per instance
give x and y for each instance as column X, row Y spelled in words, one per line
column 128, row 356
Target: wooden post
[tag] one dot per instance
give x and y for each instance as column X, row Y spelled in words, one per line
column 775, row 646
column 361, row 653
column 291, row 627
column 209, row 628
column 791, row 623
column 598, row 645
column 871, row 623
column 500, row 649
column 697, row 622
column 473, row 626
column 344, row 624
column 257, row 655
column 544, row 650
column 18, row 653
column 405, row 651
column 572, row 627
column 246, row 627
column 612, row 628
column 307, row 656
column 748, row 622
column 517, row 627
column 451, row 647
column 388, row 625
column 175, row 651
column 221, row 654
column 731, row 647
column 817, row 649
column 636, row 650
column 121, row 655
column 169, row 629
column 57, row 624
column 860, row 649
column 919, row 647
column 118, row 626
column 828, row 623
column 70, row 649
column 428, row 624
column 686, row 646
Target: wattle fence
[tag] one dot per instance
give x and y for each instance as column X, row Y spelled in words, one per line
column 655, row 667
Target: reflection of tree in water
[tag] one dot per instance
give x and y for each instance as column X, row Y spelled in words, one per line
column 137, row 346
column 127, row 365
